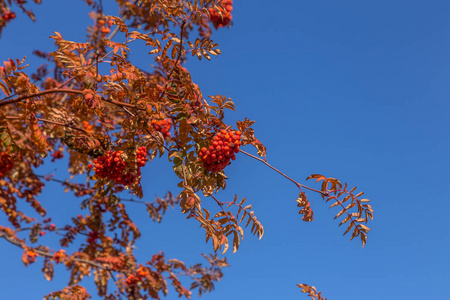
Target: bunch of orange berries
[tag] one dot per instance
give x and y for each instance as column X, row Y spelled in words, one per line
column 29, row 256
column 141, row 156
column 113, row 166
column 222, row 149
column 57, row 155
column 87, row 127
column 132, row 279
column 224, row 19
column 5, row 164
column 8, row 16
column 162, row 126
column 59, row 256
column 105, row 28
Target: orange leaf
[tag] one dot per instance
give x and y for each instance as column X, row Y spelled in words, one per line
column 38, row 138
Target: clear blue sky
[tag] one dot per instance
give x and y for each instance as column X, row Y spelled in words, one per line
column 355, row 90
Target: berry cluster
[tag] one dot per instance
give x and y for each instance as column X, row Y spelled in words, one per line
column 87, row 127
column 29, row 256
column 163, row 126
column 57, row 155
column 141, row 156
column 8, row 16
column 59, row 256
column 92, row 237
column 132, row 279
column 223, row 147
column 5, row 164
column 225, row 19
column 113, row 166
column 105, row 28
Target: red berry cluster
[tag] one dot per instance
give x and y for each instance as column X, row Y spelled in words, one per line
column 57, row 155
column 163, row 126
column 29, row 256
column 59, row 256
column 112, row 166
column 92, row 237
column 141, row 156
column 223, row 147
column 105, row 28
column 225, row 19
column 132, row 279
column 5, row 164
column 8, row 16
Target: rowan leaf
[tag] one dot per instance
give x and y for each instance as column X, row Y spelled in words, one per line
column 340, row 213
column 38, row 137
column 345, row 220
column 363, row 239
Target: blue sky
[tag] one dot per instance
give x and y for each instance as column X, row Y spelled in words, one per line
column 349, row 89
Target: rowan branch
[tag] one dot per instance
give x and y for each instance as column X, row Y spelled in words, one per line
column 299, row 185
column 50, row 122
column 66, row 91
column 51, row 91
column 48, row 254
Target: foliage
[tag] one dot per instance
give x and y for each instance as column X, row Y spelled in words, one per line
column 312, row 291
column 109, row 118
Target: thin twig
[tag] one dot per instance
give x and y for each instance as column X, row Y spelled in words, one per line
column 51, row 91
column 47, row 254
column 51, row 122
column 67, row 91
column 299, row 185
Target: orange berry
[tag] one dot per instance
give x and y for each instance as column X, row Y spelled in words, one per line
column 105, row 30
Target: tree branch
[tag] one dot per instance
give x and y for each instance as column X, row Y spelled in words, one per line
column 51, row 122
column 48, row 254
column 299, row 185
column 66, row 91
column 51, row 91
